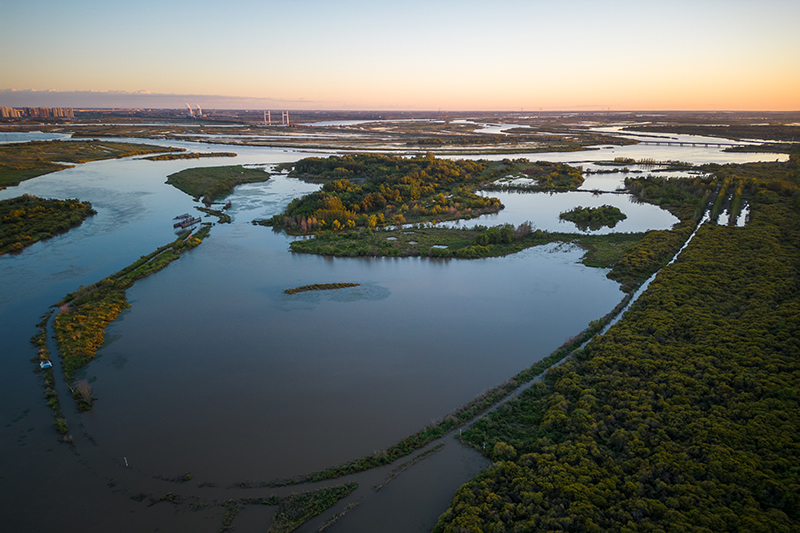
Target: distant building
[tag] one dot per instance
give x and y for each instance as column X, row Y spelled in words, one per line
column 9, row 112
column 36, row 112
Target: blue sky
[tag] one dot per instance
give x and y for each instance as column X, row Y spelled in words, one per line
column 412, row 54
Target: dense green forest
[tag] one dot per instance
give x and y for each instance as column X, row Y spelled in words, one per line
column 212, row 183
column 594, row 218
column 684, row 416
column 22, row 161
column 27, row 219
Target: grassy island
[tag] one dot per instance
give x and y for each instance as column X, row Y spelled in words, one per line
column 212, row 183
column 27, row 219
column 594, row 218
column 84, row 314
column 321, row 287
column 193, row 155
column 22, row 161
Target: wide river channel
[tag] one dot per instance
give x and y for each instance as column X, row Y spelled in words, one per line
column 215, row 371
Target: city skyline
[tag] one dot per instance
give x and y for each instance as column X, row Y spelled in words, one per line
column 510, row 55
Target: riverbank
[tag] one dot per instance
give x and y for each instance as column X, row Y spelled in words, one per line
column 19, row 162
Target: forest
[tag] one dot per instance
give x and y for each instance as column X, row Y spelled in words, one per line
column 368, row 191
column 27, row 219
column 684, row 415
column 371, row 190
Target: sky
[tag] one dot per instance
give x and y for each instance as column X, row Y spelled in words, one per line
column 405, row 55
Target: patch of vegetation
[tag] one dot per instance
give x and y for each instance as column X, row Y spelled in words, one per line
column 768, row 148
column 27, row 219
column 684, row 416
column 547, row 176
column 293, row 510
column 370, row 190
column 686, row 198
column 408, row 464
column 168, row 497
column 222, row 217
column 212, row 183
column 22, row 161
column 296, row 509
column 321, row 287
column 594, row 218
column 84, row 314
column 193, row 155
column 477, row 242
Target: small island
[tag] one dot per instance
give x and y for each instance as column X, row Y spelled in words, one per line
column 321, row 287
column 594, row 218
column 213, row 183
column 192, row 155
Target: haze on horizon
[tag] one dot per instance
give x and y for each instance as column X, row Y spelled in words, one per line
column 410, row 55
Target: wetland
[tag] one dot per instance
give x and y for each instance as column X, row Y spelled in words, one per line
column 242, row 384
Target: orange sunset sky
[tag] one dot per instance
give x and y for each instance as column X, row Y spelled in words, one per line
column 450, row 55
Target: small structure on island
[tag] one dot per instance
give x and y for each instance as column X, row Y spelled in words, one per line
column 185, row 220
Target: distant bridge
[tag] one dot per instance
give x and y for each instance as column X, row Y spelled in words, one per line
column 695, row 143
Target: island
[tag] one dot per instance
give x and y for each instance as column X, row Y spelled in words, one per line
column 27, row 219
column 213, row 183
column 594, row 218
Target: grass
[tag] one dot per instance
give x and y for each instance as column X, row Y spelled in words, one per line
column 296, row 509
column 213, row 183
column 320, row 287
column 293, row 510
column 193, row 155
column 602, row 250
column 22, row 161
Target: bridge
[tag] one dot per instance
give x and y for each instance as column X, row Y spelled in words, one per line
column 695, row 143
